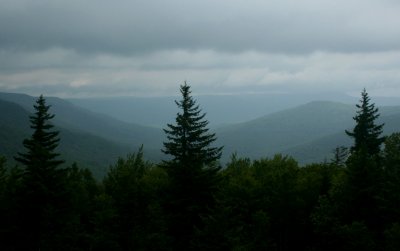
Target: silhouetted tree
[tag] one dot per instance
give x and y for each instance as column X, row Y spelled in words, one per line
column 189, row 141
column 192, row 171
column 42, row 193
column 364, row 170
column 366, row 133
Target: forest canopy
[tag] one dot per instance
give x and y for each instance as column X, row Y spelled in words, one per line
column 191, row 202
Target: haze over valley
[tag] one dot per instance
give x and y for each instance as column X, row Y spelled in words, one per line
column 96, row 131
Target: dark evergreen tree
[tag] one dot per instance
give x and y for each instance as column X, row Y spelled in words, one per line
column 361, row 198
column 189, row 140
column 193, row 171
column 40, row 147
column 366, row 133
column 41, row 195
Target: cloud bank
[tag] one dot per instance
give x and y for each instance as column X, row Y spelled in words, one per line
column 142, row 48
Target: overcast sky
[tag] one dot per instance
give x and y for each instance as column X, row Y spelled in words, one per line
column 79, row 48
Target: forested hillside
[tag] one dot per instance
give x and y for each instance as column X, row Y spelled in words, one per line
column 89, row 150
column 190, row 201
column 93, row 140
column 307, row 132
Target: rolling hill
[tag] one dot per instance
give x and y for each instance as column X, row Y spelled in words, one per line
column 86, row 149
column 93, row 140
column 77, row 118
column 220, row 109
column 279, row 131
column 308, row 132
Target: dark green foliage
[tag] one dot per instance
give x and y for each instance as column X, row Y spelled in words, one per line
column 363, row 188
column 3, row 176
column 8, row 207
column 391, row 178
column 392, row 237
column 230, row 226
column 82, row 189
column 356, row 236
column 133, row 188
column 264, row 205
column 3, row 203
column 366, row 133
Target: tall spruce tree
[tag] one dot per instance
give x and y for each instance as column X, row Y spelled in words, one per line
column 40, row 155
column 366, row 133
column 41, row 195
column 364, row 170
column 192, row 171
column 189, row 140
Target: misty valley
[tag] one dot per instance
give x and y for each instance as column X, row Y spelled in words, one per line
column 223, row 172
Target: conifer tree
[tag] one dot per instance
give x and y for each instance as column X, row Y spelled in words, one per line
column 40, row 147
column 366, row 133
column 41, row 195
column 364, row 170
column 192, row 171
column 189, row 140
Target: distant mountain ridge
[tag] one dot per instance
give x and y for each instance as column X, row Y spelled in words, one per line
column 78, row 118
column 308, row 132
column 221, row 109
column 94, row 140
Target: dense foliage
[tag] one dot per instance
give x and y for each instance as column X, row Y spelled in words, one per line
column 349, row 203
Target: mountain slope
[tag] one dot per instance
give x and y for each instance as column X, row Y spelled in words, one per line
column 14, row 127
column 278, row 131
column 220, row 109
column 308, row 132
column 322, row 148
column 76, row 118
column 76, row 145
column 88, row 150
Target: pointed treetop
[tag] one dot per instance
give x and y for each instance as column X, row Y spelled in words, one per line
column 366, row 133
column 40, row 147
column 188, row 139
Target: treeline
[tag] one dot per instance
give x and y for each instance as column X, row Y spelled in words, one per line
column 189, row 202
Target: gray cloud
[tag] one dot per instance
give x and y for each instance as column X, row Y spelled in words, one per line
column 126, row 47
column 67, row 73
column 145, row 26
